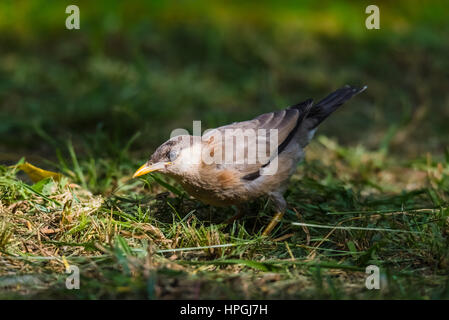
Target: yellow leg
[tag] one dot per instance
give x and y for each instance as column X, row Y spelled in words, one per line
column 276, row 219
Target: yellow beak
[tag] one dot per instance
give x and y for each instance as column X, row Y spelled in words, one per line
column 150, row 168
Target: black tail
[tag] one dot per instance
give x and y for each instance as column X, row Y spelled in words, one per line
column 325, row 107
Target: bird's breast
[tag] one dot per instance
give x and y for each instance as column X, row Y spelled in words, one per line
column 216, row 187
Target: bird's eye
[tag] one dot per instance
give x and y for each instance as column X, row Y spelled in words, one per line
column 173, row 155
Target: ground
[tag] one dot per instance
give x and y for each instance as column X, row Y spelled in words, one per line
column 92, row 105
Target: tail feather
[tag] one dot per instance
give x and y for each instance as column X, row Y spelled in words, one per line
column 304, row 109
column 325, row 107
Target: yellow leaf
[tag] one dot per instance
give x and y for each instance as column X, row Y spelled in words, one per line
column 66, row 264
column 37, row 174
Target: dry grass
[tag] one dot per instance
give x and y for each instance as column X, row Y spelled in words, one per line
column 139, row 243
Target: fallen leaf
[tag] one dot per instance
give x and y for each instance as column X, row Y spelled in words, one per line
column 37, row 174
column 49, row 231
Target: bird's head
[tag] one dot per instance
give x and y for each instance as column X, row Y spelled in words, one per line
column 173, row 157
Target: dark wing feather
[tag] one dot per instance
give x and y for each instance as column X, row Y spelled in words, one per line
column 325, row 107
column 286, row 122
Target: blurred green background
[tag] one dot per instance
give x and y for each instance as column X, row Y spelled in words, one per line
column 153, row 66
column 93, row 103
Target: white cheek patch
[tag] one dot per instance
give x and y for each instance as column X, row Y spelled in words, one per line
column 189, row 157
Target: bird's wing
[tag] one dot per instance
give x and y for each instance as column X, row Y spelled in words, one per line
column 247, row 146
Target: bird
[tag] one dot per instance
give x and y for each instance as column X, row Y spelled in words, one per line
column 210, row 168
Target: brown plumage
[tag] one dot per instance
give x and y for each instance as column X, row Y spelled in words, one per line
column 220, row 168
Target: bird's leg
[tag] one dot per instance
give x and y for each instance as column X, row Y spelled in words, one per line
column 280, row 205
column 273, row 223
column 239, row 213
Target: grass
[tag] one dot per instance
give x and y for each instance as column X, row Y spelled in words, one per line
column 138, row 240
column 93, row 104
